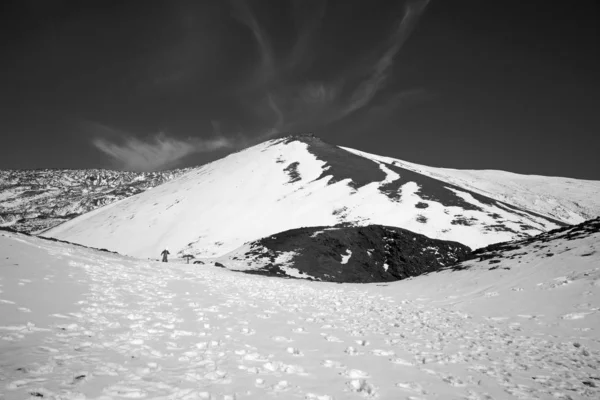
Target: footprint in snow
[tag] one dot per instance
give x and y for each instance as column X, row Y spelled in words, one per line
column 453, row 381
column 401, row 361
column 281, row 339
column 572, row 316
column 218, row 377
column 354, row 374
column 124, row 391
column 362, row 387
column 294, row 351
column 382, row 353
column 312, row 396
column 281, row 386
column 23, row 382
column 276, row 366
column 259, row 382
column 412, row 387
column 78, row 379
column 331, row 338
column 332, row 364
column 472, row 395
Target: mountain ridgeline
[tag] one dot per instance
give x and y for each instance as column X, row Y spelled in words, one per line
column 302, row 181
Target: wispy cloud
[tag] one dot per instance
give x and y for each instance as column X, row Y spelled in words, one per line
column 367, row 89
column 279, row 123
column 243, row 13
column 156, row 152
column 298, row 103
column 308, row 17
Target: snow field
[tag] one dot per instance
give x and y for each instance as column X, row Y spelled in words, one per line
column 83, row 324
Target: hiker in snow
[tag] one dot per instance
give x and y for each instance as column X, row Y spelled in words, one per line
column 164, row 254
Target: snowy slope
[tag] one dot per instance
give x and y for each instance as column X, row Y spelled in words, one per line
column 35, row 200
column 78, row 323
column 289, row 183
column 566, row 199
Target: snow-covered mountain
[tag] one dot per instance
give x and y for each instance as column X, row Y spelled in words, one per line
column 301, row 181
column 35, row 200
column 78, row 323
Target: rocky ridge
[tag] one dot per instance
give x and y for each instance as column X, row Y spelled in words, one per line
column 32, row 201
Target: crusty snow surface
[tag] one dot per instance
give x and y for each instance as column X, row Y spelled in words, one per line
column 216, row 208
column 35, row 200
column 78, row 323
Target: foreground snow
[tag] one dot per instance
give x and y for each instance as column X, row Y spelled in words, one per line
column 77, row 323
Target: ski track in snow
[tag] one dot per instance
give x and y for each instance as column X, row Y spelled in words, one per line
column 127, row 328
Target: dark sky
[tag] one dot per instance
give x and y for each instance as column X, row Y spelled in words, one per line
column 148, row 85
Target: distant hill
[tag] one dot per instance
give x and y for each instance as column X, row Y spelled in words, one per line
column 32, row 201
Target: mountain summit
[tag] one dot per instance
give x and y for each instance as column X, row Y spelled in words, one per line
column 302, row 181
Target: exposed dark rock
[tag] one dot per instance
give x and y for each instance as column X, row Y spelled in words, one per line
column 500, row 250
column 460, row 220
column 341, row 164
column 292, row 171
column 371, row 253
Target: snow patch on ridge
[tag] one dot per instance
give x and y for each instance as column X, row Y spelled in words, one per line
column 346, row 257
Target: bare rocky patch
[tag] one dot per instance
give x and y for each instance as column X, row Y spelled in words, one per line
column 292, row 171
column 371, row 253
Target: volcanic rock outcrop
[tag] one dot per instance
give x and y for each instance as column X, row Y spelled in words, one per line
column 363, row 254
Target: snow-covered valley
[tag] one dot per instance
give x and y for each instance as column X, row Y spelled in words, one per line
column 78, row 323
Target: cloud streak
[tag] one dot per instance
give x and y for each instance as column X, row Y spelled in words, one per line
column 309, row 16
column 298, row 103
column 243, row 13
column 156, row 152
column 368, row 88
